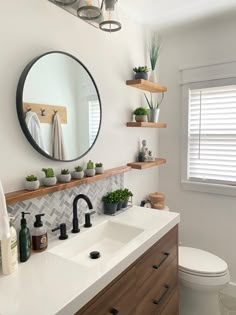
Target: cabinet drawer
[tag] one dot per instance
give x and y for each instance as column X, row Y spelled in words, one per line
column 154, row 293
column 120, row 296
column 158, row 257
column 172, row 307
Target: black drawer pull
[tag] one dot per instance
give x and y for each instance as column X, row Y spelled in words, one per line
column 158, row 301
column 159, row 265
column 114, row 311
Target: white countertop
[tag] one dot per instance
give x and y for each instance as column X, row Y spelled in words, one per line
column 48, row 284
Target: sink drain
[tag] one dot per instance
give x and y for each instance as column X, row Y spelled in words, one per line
column 94, row 255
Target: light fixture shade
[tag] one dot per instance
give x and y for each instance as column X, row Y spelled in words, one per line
column 89, row 9
column 65, row 2
column 110, row 21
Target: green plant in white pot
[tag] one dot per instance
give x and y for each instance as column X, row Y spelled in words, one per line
column 50, row 178
column 31, row 182
column 99, row 168
column 140, row 114
column 154, row 109
column 78, row 173
column 65, row 176
column 90, row 170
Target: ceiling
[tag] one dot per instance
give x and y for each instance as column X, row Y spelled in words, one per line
column 167, row 13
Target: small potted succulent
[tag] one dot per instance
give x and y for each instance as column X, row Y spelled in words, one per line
column 65, row 176
column 78, row 173
column 90, row 170
column 141, row 114
column 50, row 178
column 110, row 201
column 99, row 168
column 31, row 182
column 141, row 72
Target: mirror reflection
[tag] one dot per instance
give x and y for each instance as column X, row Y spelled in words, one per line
column 59, row 106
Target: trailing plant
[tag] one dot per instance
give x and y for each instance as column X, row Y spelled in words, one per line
column 140, row 111
column 65, row 172
column 48, row 172
column 154, row 48
column 90, row 165
column 78, row 168
column 141, row 69
column 31, row 178
column 99, row 165
column 154, row 103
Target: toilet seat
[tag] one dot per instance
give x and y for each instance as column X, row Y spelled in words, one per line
column 200, row 263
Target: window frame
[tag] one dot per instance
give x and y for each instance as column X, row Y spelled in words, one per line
column 217, row 188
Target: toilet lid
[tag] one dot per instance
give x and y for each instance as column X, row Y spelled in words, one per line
column 200, row 262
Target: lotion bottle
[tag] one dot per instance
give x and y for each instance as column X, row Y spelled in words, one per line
column 24, row 239
column 39, row 235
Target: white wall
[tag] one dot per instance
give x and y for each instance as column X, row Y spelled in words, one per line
column 30, row 28
column 208, row 221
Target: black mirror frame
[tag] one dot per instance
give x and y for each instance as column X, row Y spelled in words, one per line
column 20, row 112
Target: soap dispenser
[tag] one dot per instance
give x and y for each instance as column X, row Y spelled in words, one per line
column 39, row 235
column 24, row 239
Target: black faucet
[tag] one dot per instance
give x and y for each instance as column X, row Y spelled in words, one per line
column 75, row 221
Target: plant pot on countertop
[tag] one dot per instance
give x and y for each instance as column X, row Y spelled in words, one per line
column 110, row 208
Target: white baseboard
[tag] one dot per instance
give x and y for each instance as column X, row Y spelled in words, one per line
column 230, row 290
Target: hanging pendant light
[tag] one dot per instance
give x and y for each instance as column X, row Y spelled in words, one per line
column 89, row 9
column 110, row 21
column 66, row 2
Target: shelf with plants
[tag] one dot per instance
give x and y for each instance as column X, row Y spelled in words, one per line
column 144, row 165
column 146, row 85
column 146, row 124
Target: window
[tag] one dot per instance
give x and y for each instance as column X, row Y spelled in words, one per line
column 94, row 119
column 211, row 145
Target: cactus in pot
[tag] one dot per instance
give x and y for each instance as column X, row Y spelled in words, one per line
column 78, row 173
column 50, row 178
column 65, row 176
column 99, row 168
column 90, row 170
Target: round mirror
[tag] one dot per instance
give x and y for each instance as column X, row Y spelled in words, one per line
column 58, row 106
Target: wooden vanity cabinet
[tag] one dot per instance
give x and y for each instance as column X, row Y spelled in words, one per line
column 148, row 287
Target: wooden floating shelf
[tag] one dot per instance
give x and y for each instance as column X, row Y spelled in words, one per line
column 22, row 195
column 143, row 165
column 146, row 85
column 146, row 124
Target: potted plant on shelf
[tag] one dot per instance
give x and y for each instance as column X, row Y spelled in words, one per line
column 110, row 201
column 154, row 110
column 154, row 48
column 90, row 170
column 31, row 182
column 99, row 168
column 141, row 72
column 140, row 114
column 49, row 179
column 65, row 176
column 78, row 173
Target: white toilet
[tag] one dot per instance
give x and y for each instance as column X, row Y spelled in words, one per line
column 202, row 275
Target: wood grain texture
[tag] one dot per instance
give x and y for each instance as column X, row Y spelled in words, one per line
column 146, row 124
column 172, row 307
column 49, row 112
column 22, row 195
column 143, row 165
column 146, row 86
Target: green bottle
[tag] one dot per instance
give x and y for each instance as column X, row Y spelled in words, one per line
column 24, row 239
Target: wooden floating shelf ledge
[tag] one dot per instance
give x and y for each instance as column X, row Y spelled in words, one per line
column 22, row 195
column 143, row 165
column 146, row 85
column 146, row 124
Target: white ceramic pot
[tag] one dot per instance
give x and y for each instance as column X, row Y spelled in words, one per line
column 49, row 181
column 64, row 178
column 99, row 170
column 90, row 172
column 152, row 76
column 32, row 185
column 78, row 175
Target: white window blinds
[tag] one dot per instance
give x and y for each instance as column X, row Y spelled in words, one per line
column 212, row 135
column 94, row 120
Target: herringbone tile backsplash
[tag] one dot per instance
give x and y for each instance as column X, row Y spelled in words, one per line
column 58, row 207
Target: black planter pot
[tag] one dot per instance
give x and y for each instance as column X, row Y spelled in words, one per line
column 141, row 75
column 110, row 208
column 124, row 204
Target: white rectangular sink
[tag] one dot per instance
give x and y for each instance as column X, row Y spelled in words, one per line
column 107, row 238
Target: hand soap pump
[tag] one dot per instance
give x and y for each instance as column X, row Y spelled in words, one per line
column 24, row 239
column 39, row 235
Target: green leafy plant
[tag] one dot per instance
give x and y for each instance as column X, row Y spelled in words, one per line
column 111, row 197
column 140, row 111
column 78, row 169
column 99, row 165
column 31, row 178
column 154, row 103
column 154, row 48
column 90, row 165
column 126, row 194
column 65, row 172
column 141, row 69
column 48, row 172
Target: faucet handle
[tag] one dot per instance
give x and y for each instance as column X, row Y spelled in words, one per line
column 88, row 219
column 62, row 228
